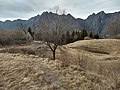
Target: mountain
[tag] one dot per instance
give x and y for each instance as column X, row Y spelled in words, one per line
column 96, row 23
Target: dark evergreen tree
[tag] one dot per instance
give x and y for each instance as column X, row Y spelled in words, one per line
column 63, row 39
column 83, row 34
column 31, row 33
column 78, row 36
column 76, row 32
column 96, row 36
column 68, row 38
column 73, row 36
column 91, row 35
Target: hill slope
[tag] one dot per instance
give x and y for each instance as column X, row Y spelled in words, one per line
column 93, row 65
column 24, row 72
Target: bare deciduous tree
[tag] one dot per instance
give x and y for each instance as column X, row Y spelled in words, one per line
column 11, row 37
column 52, row 30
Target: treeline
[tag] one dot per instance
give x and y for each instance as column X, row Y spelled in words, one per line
column 19, row 37
column 73, row 36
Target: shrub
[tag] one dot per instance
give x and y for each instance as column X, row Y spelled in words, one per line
column 12, row 37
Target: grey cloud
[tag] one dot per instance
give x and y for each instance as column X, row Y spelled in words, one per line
column 83, row 8
column 23, row 8
column 78, row 8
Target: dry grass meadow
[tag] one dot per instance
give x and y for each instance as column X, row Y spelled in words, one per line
column 82, row 65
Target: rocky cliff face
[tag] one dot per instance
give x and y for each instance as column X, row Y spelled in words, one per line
column 96, row 22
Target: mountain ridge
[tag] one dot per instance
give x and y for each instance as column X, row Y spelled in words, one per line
column 94, row 23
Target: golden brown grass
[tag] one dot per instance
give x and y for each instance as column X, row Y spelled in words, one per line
column 29, row 72
column 83, row 65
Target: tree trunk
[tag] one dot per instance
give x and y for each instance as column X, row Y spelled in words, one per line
column 53, row 49
column 54, row 54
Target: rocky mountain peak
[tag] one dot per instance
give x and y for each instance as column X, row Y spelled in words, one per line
column 95, row 22
column 101, row 13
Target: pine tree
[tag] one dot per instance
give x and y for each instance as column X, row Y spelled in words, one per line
column 83, row 34
column 76, row 32
column 78, row 36
column 73, row 36
column 91, row 35
column 63, row 39
column 96, row 36
column 31, row 33
column 68, row 37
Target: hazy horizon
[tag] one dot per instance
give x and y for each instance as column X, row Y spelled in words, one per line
column 25, row 9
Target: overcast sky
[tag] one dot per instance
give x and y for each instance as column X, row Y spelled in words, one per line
column 24, row 9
